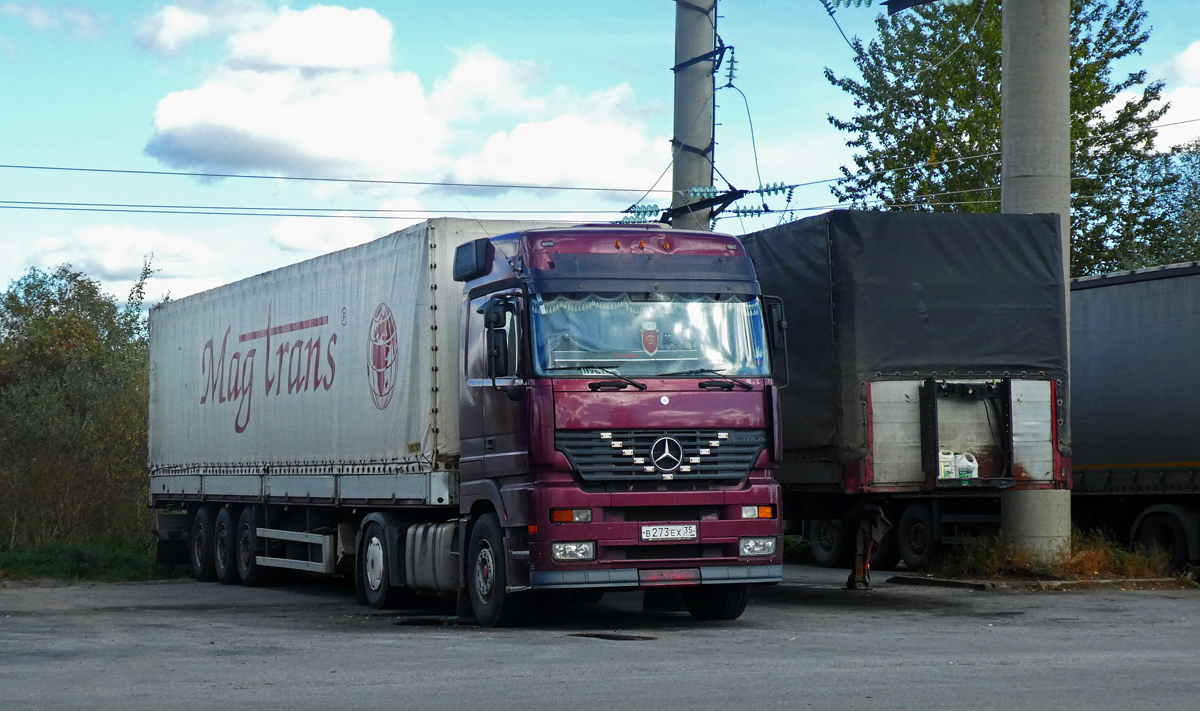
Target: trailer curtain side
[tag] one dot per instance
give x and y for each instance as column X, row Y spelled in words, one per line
column 327, row 366
column 875, row 296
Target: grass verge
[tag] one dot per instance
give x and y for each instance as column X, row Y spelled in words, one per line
column 84, row 562
column 1094, row 555
column 797, row 549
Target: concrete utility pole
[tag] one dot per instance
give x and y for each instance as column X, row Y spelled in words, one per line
column 692, row 146
column 1035, row 145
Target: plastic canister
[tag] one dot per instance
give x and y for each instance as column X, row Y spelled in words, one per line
column 946, row 467
column 967, row 465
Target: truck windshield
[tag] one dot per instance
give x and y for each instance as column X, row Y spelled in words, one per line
column 648, row 334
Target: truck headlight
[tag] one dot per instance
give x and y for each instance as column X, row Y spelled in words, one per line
column 583, row 550
column 748, row 547
column 758, row 512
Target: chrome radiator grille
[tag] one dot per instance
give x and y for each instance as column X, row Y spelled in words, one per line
column 625, row 455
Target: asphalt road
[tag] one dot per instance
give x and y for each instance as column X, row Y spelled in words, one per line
column 804, row 644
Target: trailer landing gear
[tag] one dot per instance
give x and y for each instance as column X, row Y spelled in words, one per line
column 871, row 526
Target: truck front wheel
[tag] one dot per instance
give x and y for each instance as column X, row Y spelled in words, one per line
column 494, row 606
column 717, row 602
column 376, row 570
column 200, row 545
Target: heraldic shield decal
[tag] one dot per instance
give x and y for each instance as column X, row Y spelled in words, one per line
column 650, row 337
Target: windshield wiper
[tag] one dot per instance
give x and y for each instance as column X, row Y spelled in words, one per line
column 710, row 371
column 602, row 369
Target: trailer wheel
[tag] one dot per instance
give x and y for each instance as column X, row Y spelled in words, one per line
column 376, row 572
column 494, row 606
column 1164, row 531
column 251, row 573
column 830, row 544
column 225, row 547
column 916, row 537
column 200, row 545
column 716, row 602
column 887, row 554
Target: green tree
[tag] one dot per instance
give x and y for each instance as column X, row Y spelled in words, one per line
column 926, row 128
column 73, row 406
column 1180, row 239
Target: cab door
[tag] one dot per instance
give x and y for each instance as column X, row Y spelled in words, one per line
column 495, row 378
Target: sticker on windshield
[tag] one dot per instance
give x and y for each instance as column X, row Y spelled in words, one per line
column 650, row 337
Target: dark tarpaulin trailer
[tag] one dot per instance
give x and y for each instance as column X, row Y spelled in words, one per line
column 1135, row 339
column 877, row 296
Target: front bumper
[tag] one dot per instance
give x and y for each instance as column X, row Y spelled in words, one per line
column 630, row 578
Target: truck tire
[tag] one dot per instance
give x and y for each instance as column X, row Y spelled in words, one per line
column 887, row 554
column 249, row 571
column 494, row 606
column 716, row 602
column 225, row 547
column 830, row 544
column 1164, row 531
column 916, row 537
column 200, row 545
column 376, row 572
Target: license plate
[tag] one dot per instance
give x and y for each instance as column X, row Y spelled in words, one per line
column 669, row 532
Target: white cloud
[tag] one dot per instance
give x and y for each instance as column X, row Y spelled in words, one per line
column 596, row 143
column 171, row 28
column 1182, row 74
column 327, row 234
column 362, row 124
column 319, row 38
column 314, row 234
column 115, row 253
column 79, row 21
column 313, row 93
column 30, row 13
column 1184, row 68
column 1185, row 105
column 482, row 83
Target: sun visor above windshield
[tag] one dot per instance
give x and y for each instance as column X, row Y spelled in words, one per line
column 676, row 273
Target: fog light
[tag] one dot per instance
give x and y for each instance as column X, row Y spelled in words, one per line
column 571, row 515
column 586, row 550
column 756, row 546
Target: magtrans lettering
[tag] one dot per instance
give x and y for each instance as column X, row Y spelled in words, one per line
column 290, row 366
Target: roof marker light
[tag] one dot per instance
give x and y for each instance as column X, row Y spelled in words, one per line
column 617, row 244
column 666, row 246
column 641, row 244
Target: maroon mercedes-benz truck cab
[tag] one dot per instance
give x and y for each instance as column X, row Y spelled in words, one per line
column 618, row 416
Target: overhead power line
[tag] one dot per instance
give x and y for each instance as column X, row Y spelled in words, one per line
column 252, row 211
column 359, row 181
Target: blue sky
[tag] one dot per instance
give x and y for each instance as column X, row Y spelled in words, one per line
column 521, row 92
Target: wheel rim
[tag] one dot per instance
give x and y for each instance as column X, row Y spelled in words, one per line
column 374, row 564
column 916, row 538
column 198, row 545
column 826, row 535
column 246, row 548
column 223, row 546
column 485, row 572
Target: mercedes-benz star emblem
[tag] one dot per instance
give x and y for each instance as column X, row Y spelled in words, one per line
column 666, row 454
